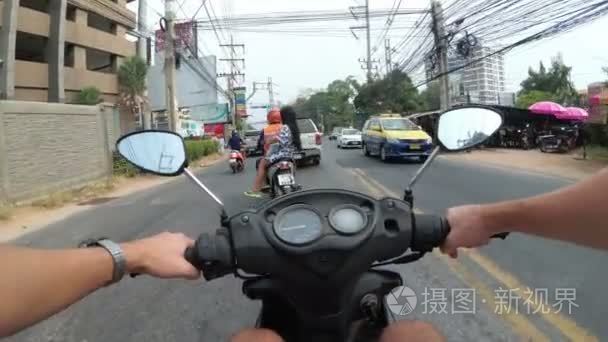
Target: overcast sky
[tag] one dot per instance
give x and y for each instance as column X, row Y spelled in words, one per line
column 298, row 62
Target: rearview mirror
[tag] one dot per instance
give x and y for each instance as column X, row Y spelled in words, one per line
column 463, row 128
column 158, row 152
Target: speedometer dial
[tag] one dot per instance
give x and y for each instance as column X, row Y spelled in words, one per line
column 348, row 219
column 298, row 225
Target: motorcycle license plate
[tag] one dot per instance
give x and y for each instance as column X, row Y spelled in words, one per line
column 414, row 147
column 285, row 179
column 297, row 156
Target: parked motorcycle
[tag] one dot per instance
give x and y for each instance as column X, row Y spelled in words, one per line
column 313, row 257
column 562, row 140
column 236, row 161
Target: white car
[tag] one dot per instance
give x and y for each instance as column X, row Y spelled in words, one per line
column 349, row 137
column 312, row 142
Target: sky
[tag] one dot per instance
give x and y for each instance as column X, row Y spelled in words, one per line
column 297, row 63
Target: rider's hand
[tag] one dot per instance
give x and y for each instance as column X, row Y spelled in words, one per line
column 468, row 229
column 161, row 256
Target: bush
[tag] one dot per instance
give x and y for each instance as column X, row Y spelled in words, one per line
column 89, row 96
column 196, row 149
column 121, row 167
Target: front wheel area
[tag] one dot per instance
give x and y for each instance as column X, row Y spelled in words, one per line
column 383, row 154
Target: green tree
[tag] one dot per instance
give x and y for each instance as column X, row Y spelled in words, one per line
column 555, row 81
column 394, row 93
column 132, row 83
column 529, row 98
column 430, row 97
column 89, row 96
column 332, row 106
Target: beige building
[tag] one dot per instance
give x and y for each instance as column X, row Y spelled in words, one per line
column 51, row 49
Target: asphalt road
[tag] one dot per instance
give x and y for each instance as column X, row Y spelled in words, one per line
column 145, row 309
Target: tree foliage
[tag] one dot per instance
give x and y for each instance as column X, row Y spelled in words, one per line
column 529, row 98
column 89, row 96
column 348, row 103
column 555, row 81
column 132, row 82
column 394, row 93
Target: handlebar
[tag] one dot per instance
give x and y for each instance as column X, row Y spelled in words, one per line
column 430, row 231
column 212, row 254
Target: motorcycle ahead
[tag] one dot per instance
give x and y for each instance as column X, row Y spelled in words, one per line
column 280, row 176
column 313, row 257
column 236, row 161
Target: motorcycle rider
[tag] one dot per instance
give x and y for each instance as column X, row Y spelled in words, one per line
column 236, row 144
column 39, row 283
column 284, row 132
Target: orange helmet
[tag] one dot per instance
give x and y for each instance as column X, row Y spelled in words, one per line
column 274, row 116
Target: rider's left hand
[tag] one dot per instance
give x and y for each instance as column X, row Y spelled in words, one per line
column 161, row 256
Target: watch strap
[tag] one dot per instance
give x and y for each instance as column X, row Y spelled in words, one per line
column 118, row 256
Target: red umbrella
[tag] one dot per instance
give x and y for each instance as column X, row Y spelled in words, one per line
column 547, row 107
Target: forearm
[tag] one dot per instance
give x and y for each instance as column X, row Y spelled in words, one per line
column 575, row 214
column 36, row 284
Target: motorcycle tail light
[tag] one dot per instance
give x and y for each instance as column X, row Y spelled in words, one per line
column 284, row 166
column 233, row 155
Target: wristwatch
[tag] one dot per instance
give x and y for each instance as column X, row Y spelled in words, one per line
column 118, row 256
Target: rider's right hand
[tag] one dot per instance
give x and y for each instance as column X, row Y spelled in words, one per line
column 161, row 256
column 468, row 229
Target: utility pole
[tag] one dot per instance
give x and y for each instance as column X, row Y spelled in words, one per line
column 388, row 55
column 270, row 92
column 368, row 62
column 442, row 53
column 171, row 100
column 142, row 52
column 231, row 77
column 369, row 43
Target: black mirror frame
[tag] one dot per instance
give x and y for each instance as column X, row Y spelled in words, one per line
column 177, row 173
column 444, row 149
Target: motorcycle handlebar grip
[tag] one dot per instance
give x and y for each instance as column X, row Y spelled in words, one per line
column 191, row 256
column 211, row 254
column 430, row 231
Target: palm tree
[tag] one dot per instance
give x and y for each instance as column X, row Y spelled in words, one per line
column 132, row 84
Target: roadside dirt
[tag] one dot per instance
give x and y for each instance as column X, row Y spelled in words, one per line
column 570, row 166
column 28, row 218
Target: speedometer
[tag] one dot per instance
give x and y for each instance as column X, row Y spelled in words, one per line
column 348, row 219
column 298, row 225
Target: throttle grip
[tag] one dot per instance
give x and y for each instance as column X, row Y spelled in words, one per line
column 502, row 236
column 191, row 256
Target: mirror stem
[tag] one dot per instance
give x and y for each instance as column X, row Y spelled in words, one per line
column 196, row 181
column 408, row 191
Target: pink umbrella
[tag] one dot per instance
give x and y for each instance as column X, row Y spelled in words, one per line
column 547, row 107
column 574, row 113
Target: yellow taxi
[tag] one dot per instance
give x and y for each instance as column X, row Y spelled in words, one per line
column 393, row 136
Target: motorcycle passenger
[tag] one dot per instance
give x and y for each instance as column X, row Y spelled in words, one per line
column 280, row 140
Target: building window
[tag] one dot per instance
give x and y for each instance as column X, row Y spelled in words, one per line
column 103, row 24
column 70, row 13
column 37, row 5
column 30, row 47
column 68, row 55
column 100, row 61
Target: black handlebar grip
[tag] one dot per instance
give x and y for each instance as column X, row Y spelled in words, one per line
column 429, row 232
column 191, row 256
column 502, row 236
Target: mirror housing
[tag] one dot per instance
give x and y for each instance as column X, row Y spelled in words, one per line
column 466, row 127
column 158, row 152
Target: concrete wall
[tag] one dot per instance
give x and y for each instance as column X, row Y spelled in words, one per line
column 51, row 147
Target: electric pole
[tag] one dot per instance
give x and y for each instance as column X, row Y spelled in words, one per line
column 388, row 55
column 442, row 53
column 368, row 61
column 270, row 92
column 171, row 100
column 231, row 77
column 142, row 52
column 369, row 43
